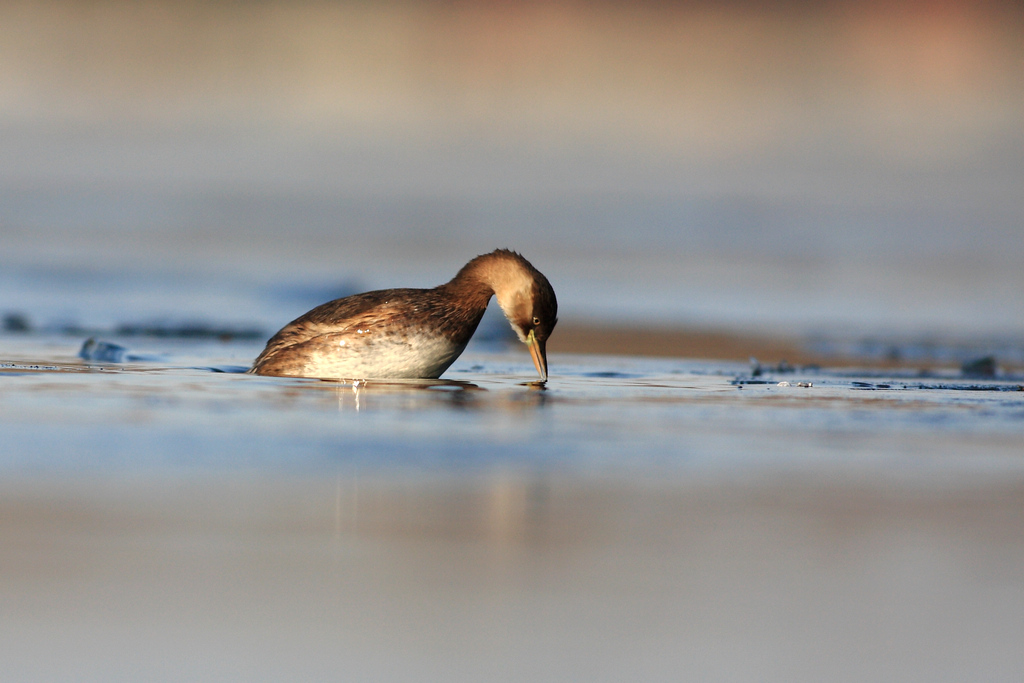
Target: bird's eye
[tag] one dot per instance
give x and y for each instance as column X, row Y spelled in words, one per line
column 536, row 321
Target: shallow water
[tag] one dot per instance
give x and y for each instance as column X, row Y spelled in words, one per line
column 175, row 402
column 170, row 517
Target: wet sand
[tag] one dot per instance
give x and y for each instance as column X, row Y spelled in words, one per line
column 907, row 354
column 675, row 342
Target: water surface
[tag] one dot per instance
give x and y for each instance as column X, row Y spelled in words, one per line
column 167, row 516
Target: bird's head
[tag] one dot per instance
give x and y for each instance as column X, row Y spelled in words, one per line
column 528, row 301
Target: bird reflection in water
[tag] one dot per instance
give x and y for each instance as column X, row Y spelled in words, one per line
column 412, row 395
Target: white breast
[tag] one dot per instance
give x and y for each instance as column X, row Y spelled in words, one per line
column 383, row 356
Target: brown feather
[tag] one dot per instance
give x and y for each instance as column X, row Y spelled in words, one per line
column 452, row 311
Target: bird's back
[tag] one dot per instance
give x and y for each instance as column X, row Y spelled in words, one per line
column 379, row 334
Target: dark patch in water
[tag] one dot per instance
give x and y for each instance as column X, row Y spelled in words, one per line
column 189, row 331
column 862, row 385
column 19, row 323
column 16, row 322
column 782, row 367
column 872, row 386
column 109, row 352
column 967, row 387
column 974, row 355
column 101, row 351
column 227, row 369
column 11, row 370
column 984, row 367
column 31, row 367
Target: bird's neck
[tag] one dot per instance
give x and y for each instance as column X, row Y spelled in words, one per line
column 502, row 274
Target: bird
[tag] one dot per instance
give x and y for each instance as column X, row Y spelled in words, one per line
column 414, row 333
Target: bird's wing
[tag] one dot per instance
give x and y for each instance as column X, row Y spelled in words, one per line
column 333, row 317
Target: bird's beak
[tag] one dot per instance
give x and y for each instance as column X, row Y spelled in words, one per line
column 539, row 355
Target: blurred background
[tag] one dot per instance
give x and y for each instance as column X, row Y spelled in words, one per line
column 843, row 166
